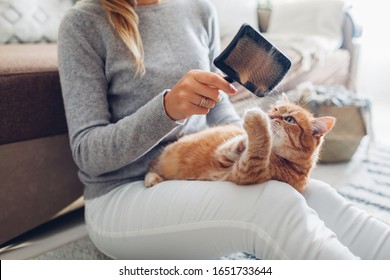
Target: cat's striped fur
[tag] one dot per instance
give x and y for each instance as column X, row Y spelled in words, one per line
column 281, row 145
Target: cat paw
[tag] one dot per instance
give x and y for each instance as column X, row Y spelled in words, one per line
column 255, row 114
column 152, row 179
column 255, row 117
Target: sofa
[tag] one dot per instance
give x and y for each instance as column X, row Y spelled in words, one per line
column 37, row 173
column 38, row 176
column 38, row 179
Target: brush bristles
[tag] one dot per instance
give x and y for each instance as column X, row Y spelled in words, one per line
column 257, row 64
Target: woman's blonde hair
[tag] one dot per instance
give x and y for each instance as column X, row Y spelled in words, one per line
column 124, row 19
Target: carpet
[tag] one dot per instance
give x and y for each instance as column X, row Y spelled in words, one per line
column 369, row 181
column 84, row 249
column 368, row 187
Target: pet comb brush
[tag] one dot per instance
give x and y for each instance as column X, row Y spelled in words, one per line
column 253, row 61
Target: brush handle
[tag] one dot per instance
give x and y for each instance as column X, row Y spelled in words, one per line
column 228, row 79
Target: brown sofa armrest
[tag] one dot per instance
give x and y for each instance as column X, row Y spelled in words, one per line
column 31, row 103
column 38, row 175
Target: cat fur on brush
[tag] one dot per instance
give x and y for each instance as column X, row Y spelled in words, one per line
column 281, row 145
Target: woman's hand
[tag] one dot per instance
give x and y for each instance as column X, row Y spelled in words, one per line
column 195, row 94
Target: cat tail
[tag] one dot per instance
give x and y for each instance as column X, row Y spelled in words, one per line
column 152, row 177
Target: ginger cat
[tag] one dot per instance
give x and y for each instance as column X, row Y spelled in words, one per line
column 282, row 145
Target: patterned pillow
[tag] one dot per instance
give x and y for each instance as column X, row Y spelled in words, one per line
column 31, row 21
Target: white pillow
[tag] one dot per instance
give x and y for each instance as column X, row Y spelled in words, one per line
column 322, row 18
column 233, row 13
column 31, row 21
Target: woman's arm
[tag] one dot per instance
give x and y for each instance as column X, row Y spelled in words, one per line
column 100, row 146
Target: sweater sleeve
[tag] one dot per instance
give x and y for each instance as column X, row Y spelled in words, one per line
column 100, row 146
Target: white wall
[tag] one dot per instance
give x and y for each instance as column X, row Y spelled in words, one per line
column 374, row 71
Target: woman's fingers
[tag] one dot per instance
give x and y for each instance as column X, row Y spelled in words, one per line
column 196, row 93
column 207, row 91
column 213, row 80
column 202, row 101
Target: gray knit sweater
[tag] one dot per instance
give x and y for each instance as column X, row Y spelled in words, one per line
column 117, row 122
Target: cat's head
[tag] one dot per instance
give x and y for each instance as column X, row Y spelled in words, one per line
column 296, row 134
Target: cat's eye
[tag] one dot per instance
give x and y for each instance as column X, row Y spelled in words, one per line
column 290, row 119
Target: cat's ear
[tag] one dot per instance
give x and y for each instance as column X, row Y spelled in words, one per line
column 321, row 126
column 283, row 99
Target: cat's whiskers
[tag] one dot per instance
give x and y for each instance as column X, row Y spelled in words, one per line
column 302, row 103
column 249, row 100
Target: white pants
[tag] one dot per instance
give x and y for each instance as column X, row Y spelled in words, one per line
column 208, row 220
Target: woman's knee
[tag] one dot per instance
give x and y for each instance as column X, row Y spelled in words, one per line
column 317, row 186
column 281, row 194
column 280, row 203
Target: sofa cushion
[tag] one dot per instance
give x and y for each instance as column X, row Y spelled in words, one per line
column 298, row 20
column 31, row 103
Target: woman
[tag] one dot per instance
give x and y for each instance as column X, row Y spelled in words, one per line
column 129, row 89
